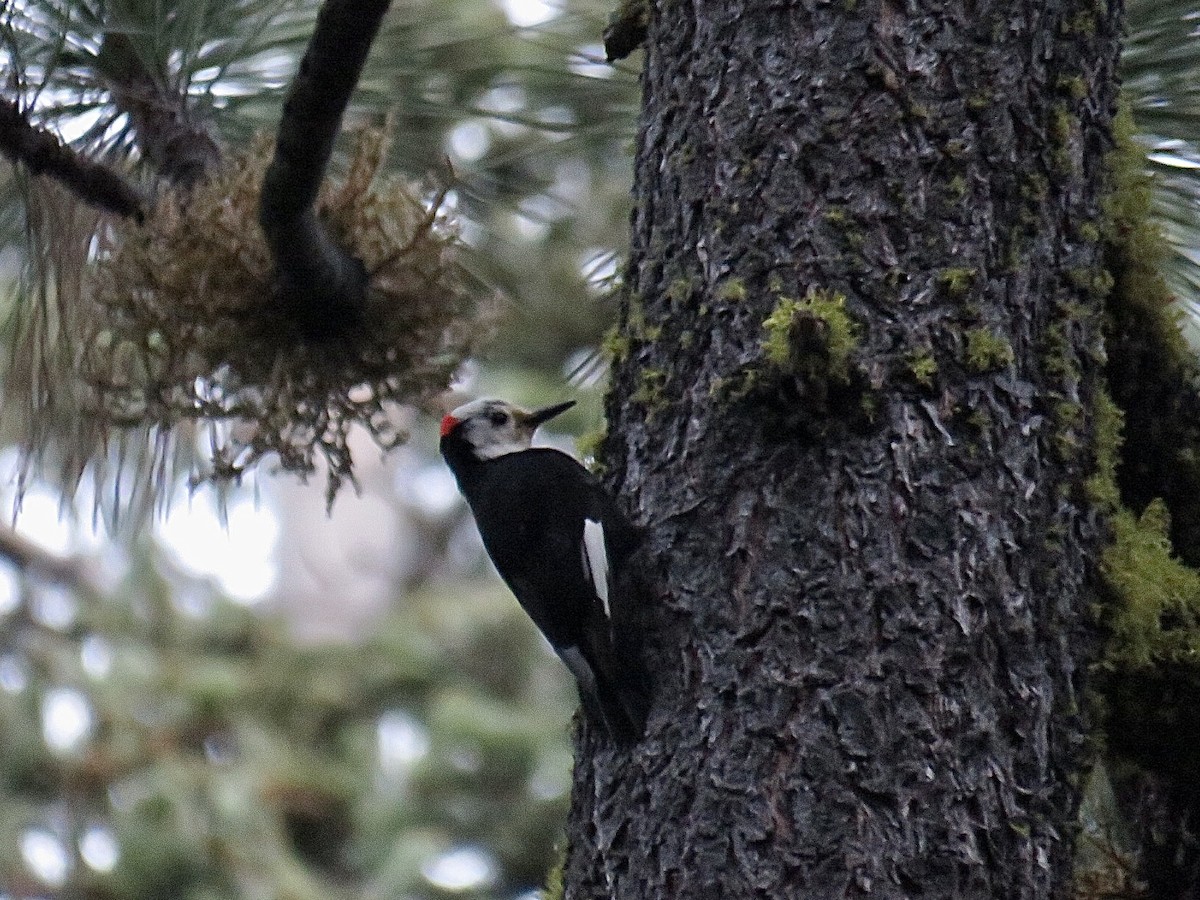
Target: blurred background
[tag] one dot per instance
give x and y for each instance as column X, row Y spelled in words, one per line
column 249, row 698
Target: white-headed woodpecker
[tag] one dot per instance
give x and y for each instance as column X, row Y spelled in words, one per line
column 561, row 544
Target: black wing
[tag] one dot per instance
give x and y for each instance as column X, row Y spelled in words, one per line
column 560, row 540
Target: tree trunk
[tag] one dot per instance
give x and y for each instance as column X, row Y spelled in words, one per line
column 871, row 625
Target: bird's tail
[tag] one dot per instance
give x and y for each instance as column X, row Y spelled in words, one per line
column 617, row 700
column 624, row 702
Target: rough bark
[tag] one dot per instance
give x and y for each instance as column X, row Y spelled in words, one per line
column 323, row 284
column 871, row 626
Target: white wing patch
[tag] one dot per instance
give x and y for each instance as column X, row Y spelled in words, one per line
column 595, row 560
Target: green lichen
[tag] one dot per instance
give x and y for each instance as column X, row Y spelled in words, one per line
column 618, row 342
column 1062, row 127
column 837, row 216
column 980, row 419
column 923, row 367
column 1107, row 423
column 919, row 111
column 1152, row 594
column 1082, row 23
column 956, row 148
column 679, row 290
column 588, row 444
column 1157, row 614
column 651, row 391
column 1151, row 372
column 1068, row 418
column 615, row 345
column 956, row 281
column 1072, row 85
column 1057, row 356
column 728, row 389
column 732, row 289
column 1035, row 188
column 637, row 328
column 1139, row 291
column 1095, row 282
column 841, row 219
column 555, row 889
column 956, row 188
column 987, row 352
column 786, row 343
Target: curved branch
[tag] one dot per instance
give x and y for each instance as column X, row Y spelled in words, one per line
column 42, row 153
column 322, row 284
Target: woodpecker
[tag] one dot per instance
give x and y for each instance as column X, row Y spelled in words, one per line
column 561, row 544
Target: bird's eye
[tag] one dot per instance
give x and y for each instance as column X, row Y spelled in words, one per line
column 498, row 417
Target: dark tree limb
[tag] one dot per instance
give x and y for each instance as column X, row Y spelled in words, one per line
column 42, row 153
column 626, row 30
column 177, row 143
column 27, row 556
column 322, row 284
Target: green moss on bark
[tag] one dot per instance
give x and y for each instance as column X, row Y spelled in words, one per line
column 956, row 281
column 811, row 337
column 922, row 367
column 1151, row 493
column 1156, row 618
column 987, row 351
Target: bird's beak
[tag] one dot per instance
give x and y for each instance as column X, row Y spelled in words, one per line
column 545, row 414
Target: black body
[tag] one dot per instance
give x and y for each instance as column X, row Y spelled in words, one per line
column 530, row 507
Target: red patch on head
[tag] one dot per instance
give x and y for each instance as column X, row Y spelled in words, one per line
column 449, row 423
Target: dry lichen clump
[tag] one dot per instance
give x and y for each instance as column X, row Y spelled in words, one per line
column 183, row 324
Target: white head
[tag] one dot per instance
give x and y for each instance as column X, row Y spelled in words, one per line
column 493, row 428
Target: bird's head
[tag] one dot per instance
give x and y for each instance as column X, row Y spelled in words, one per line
column 491, row 428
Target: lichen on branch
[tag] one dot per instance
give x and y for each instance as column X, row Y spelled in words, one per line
column 179, row 324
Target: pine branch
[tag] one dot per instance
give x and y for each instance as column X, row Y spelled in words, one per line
column 626, row 29
column 322, row 284
column 42, row 153
column 27, row 556
column 170, row 135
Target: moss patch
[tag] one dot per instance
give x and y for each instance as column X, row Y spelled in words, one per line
column 987, row 351
column 650, row 390
column 732, row 289
column 1157, row 617
column 1107, row 422
column 1150, row 370
column 923, row 367
column 956, row 281
column 1151, row 662
column 812, row 337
